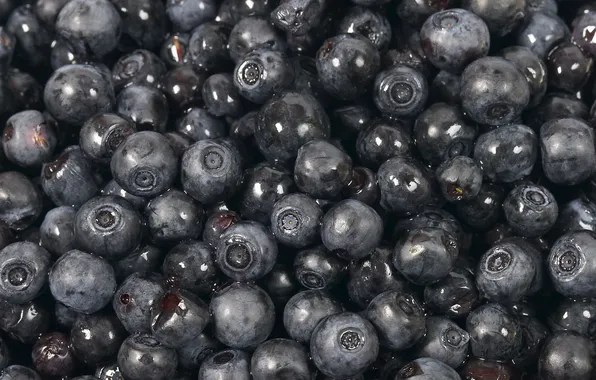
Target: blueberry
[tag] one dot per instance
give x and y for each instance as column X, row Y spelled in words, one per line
column 295, row 220
column 20, row 200
column 557, row 105
column 444, row 341
column 531, row 210
column 441, row 132
column 141, row 356
column 33, row 40
column 344, row 345
column 108, row 226
column 108, row 372
column 459, row 178
column 541, row 32
column 535, row 334
column 221, row 96
column 264, row 184
column 135, row 298
column 567, row 354
column 352, row 229
column 494, row 91
column 198, row 124
column 578, row 316
column 502, row 17
column 207, row 46
column 145, row 164
column 144, row 259
column 381, row 140
column 28, row 140
column 426, row 369
column 547, row 6
column 246, row 251
column 318, row 268
column 143, row 23
column 179, row 142
column 190, row 265
column 24, row 323
column 141, row 67
column 5, row 357
column 508, row 153
column 453, row 38
column 482, row 212
column 251, row 33
column 298, row 16
column 369, row 23
column 174, row 216
column 278, row 358
column 146, row 106
column 509, row 271
column 347, row 65
column 52, row 355
column 351, row 119
column 495, row 334
column 280, row 284
column 95, row 339
column 288, row 121
column 74, row 93
column 582, row 32
column 568, row 151
column 102, row 134
column 7, row 48
column 178, row 318
column 81, row 281
column 185, row 15
column 112, row 188
column 47, row 11
column 303, row 312
column 217, row 223
column 363, row 186
column 211, row 170
column 193, row 354
column 18, row 372
column 183, row 88
column 398, row 318
column 400, row 91
column 226, row 364
column 23, row 271
column 533, row 67
column 569, row 68
column 243, row 315
column 174, row 49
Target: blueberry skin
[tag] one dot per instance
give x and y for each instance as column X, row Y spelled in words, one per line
column 144, row 259
column 69, row 180
column 261, row 73
column 303, row 312
column 495, row 334
column 23, row 271
column 145, row 164
column 108, row 372
column 534, row 69
column 508, row 153
column 251, row 33
column 32, row 39
column 459, row 178
column 546, row 6
column 445, row 87
column 178, row 317
column 369, row 23
column 571, row 266
column 363, row 187
column 211, row 170
column 242, row 314
column 5, row 357
column 569, row 68
column 575, row 316
column 198, row 124
column 28, row 140
column 509, row 271
column 381, row 140
column 482, row 212
column 207, row 46
column 302, row 118
column 47, row 11
column 174, row 49
column 95, row 339
column 92, row 26
column 186, row 15
column 20, row 200
column 557, row 105
column 141, row 356
column 454, row 295
column 567, row 150
column 143, row 23
column 535, row 333
column 146, row 106
column 67, row 96
column 444, row 341
column 576, row 215
column 280, row 284
column 18, row 372
column 264, row 184
column 63, row 53
column 221, row 97
column 59, row 362
column 112, row 188
column 7, row 48
column 83, row 282
column 567, row 354
column 581, row 32
column 140, row 67
column 318, row 268
column 321, row 169
column 102, row 134
column 192, row 355
column 441, row 132
column 174, row 216
column 295, row 220
column 226, row 364
column 108, row 226
column 351, row 228
column 217, row 223
column 347, row 65
column 427, row 369
column 25, row 323
column 500, row 18
column 400, row 91
column 344, row 345
column 494, row 91
column 298, row 17
column 246, row 251
column 183, row 88
column 531, row 210
column 398, row 318
column 541, row 32
column 280, row 357
column 453, row 38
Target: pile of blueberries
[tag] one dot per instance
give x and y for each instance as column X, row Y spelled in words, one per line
column 297, row 189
